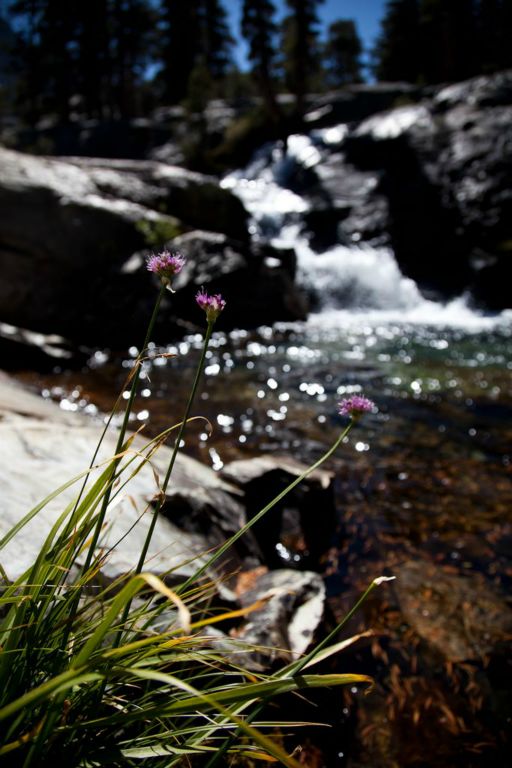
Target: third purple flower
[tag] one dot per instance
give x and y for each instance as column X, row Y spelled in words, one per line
column 355, row 406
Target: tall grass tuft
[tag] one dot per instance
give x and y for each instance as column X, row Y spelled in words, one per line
column 94, row 675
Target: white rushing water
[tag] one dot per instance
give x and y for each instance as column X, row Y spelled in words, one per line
column 350, row 283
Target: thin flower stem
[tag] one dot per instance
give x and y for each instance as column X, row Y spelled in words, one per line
column 165, row 484
column 229, row 741
column 123, row 430
column 158, row 507
column 294, row 669
column 229, row 543
column 298, row 666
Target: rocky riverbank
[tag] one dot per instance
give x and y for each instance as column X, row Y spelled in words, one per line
column 42, row 447
column 429, row 178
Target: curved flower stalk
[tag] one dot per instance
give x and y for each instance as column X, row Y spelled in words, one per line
column 356, row 410
column 212, row 306
column 165, row 265
column 354, row 407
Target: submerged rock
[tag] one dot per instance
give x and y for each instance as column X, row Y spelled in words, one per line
column 460, row 616
column 300, row 527
column 293, row 610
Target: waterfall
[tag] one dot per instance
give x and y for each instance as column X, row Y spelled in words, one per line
column 359, row 276
column 345, row 281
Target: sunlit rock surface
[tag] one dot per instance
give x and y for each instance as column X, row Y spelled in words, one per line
column 43, row 447
column 286, row 623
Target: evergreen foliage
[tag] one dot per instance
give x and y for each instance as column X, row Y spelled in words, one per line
column 259, row 29
column 342, row 54
column 434, row 41
column 112, row 59
column 301, row 48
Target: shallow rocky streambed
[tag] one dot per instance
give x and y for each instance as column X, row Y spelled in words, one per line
column 422, row 491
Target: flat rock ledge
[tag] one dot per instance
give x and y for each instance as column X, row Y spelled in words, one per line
column 41, row 447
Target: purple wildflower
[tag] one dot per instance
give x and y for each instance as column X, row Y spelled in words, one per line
column 165, row 265
column 355, row 406
column 212, row 305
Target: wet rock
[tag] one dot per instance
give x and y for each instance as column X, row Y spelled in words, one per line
column 357, row 102
column 215, row 515
column 20, row 348
column 258, row 282
column 285, row 625
column 461, row 617
column 300, row 527
column 445, row 168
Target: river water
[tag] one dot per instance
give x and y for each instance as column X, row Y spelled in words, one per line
column 423, row 485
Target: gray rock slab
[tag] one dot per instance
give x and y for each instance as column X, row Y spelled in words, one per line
column 41, row 447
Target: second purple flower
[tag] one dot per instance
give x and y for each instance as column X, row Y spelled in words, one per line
column 212, row 305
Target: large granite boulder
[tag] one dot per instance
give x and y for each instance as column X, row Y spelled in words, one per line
column 429, row 178
column 299, row 529
column 257, row 281
column 445, row 169
column 69, row 230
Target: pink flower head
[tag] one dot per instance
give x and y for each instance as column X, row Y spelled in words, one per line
column 212, row 305
column 165, row 265
column 355, row 406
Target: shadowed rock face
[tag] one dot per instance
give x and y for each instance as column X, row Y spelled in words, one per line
column 257, row 281
column 430, row 179
column 73, row 236
column 445, row 169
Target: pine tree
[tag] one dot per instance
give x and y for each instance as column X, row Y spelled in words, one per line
column 195, row 37
column 447, row 32
column 259, row 29
column 215, row 37
column 179, row 47
column 94, row 76
column 397, row 53
column 494, row 34
column 505, row 48
column 342, row 53
column 97, row 50
column 300, row 46
column 131, row 25
column 45, row 52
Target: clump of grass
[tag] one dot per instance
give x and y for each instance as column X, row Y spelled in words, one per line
column 93, row 675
